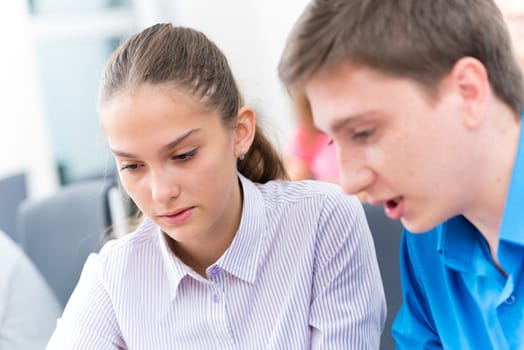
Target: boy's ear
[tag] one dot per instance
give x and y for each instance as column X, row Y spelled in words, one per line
column 470, row 78
column 244, row 131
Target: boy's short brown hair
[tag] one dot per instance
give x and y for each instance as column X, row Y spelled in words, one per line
column 417, row 39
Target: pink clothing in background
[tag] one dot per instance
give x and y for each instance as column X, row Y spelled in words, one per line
column 317, row 154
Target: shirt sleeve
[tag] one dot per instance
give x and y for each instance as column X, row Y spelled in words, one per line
column 29, row 308
column 348, row 310
column 413, row 327
column 88, row 321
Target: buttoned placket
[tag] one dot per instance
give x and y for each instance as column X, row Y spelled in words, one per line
column 218, row 309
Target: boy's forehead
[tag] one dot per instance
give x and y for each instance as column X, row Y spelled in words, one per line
column 331, row 79
column 346, row 83
column 333, row 97
column 354, row 93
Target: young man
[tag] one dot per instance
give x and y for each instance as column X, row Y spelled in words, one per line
column 423, row 100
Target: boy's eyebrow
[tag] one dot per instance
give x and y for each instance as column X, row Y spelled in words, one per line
column 341, row 123
column 164, row 149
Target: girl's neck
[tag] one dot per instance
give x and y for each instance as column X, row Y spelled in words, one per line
column 205, row 250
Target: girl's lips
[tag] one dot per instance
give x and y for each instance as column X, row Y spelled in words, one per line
column 394, row 208
column 177, row 217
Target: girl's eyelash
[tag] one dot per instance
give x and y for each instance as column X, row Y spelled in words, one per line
column 181, row 157
column 330, row 142
column 185, row 156
column 131, row 167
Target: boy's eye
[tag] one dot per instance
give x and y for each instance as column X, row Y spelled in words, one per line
column 186, row 155
column 362, row 135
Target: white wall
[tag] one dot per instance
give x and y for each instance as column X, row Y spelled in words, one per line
column 251, row 33
column 24, row 138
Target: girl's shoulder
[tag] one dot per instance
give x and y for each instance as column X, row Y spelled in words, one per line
column 144, row 235
column 306, row 193
column 302, row 189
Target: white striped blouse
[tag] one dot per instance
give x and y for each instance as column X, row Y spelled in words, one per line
column 301, row 273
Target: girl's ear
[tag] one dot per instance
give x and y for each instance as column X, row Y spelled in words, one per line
column 244, row 131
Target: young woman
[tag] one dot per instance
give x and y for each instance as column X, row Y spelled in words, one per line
column 229, row 254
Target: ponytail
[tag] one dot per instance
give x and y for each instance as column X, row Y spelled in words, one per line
column 262, row 163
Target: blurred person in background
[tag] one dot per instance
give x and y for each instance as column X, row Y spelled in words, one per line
column 424, row 102
column 311, row 154
column 229, row 254
column 28, row 308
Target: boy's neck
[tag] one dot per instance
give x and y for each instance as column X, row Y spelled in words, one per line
column 487, row 207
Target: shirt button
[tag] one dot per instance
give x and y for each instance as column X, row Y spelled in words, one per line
column 216, row 298
column 510, row 300
column 215, row 270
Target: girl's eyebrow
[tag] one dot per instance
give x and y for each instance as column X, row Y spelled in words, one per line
column 178, row 140
column 164, row 149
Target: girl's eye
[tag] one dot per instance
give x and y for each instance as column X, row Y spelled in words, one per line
column 185, row 156
column 130, row 167
column 330, row 142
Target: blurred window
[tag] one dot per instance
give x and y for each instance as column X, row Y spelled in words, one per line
column 73, row 40
column 64, row 7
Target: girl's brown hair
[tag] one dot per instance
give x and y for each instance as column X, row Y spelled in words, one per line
column 186, row 59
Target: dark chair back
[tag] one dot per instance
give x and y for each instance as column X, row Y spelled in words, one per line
column 386, row 235
column 13, row 191
column 59, row 232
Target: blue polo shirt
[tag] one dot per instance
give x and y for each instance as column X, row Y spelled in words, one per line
column 454, row 296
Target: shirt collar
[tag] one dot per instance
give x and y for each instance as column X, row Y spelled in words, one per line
column 463, row 251
column 460, row 245
column 175, row 269
column 241, row 258
column 512, row 227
